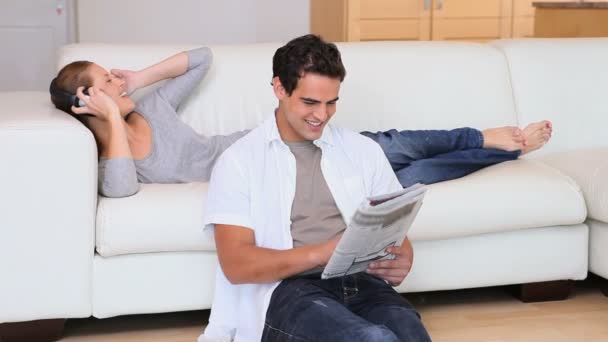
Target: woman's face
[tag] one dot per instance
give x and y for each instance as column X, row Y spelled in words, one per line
column 113, row 87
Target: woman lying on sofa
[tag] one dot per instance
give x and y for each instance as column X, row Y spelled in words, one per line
column 147, row 142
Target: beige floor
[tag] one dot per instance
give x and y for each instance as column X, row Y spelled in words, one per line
column 488, row 314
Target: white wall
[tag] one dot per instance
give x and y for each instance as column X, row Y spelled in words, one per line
column 191, row 21
column 31, row 31
column 282, row 20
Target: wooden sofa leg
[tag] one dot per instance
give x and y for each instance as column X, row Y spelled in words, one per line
column 544, row 291
column 604, row 287
column 597, row 282
column 45, row 330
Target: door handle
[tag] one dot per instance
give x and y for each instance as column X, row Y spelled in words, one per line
column 439, row 4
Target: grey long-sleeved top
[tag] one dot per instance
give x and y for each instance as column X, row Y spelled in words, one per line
column 178, row 153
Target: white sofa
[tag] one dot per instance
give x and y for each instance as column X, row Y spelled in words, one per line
column 66, row 253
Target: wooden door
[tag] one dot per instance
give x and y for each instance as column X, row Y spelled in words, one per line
column 471, row 20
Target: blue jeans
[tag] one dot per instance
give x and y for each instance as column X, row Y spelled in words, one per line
column 433, row 156
column 358, row 307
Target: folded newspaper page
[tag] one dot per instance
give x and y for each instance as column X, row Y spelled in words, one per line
column 380, row 222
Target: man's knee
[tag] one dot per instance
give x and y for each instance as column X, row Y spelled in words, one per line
column 374, row 333
column 409, row 328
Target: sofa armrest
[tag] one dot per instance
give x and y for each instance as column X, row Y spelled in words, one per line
column 48, row 198
column 588, row 168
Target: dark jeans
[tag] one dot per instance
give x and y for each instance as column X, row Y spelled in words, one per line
column 357, row 307
column 433, row 156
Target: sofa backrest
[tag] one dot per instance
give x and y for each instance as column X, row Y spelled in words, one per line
column 566, row 81
column 424, row 85
column 403, row 85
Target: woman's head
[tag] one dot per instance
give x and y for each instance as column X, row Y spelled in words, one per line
column 63, row 87
column 88, row 74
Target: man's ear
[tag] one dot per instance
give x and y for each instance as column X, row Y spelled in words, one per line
column 277, row 86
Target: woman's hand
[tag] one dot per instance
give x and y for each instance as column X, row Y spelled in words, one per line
column 97, row 103
column 132, row 79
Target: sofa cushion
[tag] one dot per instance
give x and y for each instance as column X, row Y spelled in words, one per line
column 565, row 81
column 423, row 85
column 588, row 168
column 159, row 218
column 514, row 195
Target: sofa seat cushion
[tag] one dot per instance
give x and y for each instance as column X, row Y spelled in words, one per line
column 159, row 218
column 509, row 196
column 513, row 195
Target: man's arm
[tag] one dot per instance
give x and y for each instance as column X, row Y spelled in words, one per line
column 244, row 262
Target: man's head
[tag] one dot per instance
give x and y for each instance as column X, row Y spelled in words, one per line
column 307, row 73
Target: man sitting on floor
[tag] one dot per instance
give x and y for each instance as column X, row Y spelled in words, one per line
column 278, row 201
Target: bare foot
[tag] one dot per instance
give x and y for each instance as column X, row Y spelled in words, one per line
column 537, row 134
column 504, row 138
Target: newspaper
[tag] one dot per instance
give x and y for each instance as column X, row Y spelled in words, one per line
column 380, row 222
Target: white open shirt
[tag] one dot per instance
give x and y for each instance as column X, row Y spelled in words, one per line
column 253, row 185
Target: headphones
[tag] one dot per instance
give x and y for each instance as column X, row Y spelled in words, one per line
column 64, row 100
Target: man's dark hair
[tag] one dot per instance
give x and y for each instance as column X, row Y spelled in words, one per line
column 305, row 54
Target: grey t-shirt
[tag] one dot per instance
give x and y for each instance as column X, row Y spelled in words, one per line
column 178, row 153
column 315, row 217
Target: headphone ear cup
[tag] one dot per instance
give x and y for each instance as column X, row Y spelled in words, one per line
column 62, row 99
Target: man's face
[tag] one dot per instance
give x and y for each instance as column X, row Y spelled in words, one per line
column 303, row 115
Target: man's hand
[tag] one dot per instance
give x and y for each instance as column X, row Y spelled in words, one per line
column 132, row 79
column 394, row 271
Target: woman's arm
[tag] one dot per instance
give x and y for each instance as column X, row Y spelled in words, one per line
column 171, row 67
column 185, row 69
column 105, row 121
column 117, row 175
